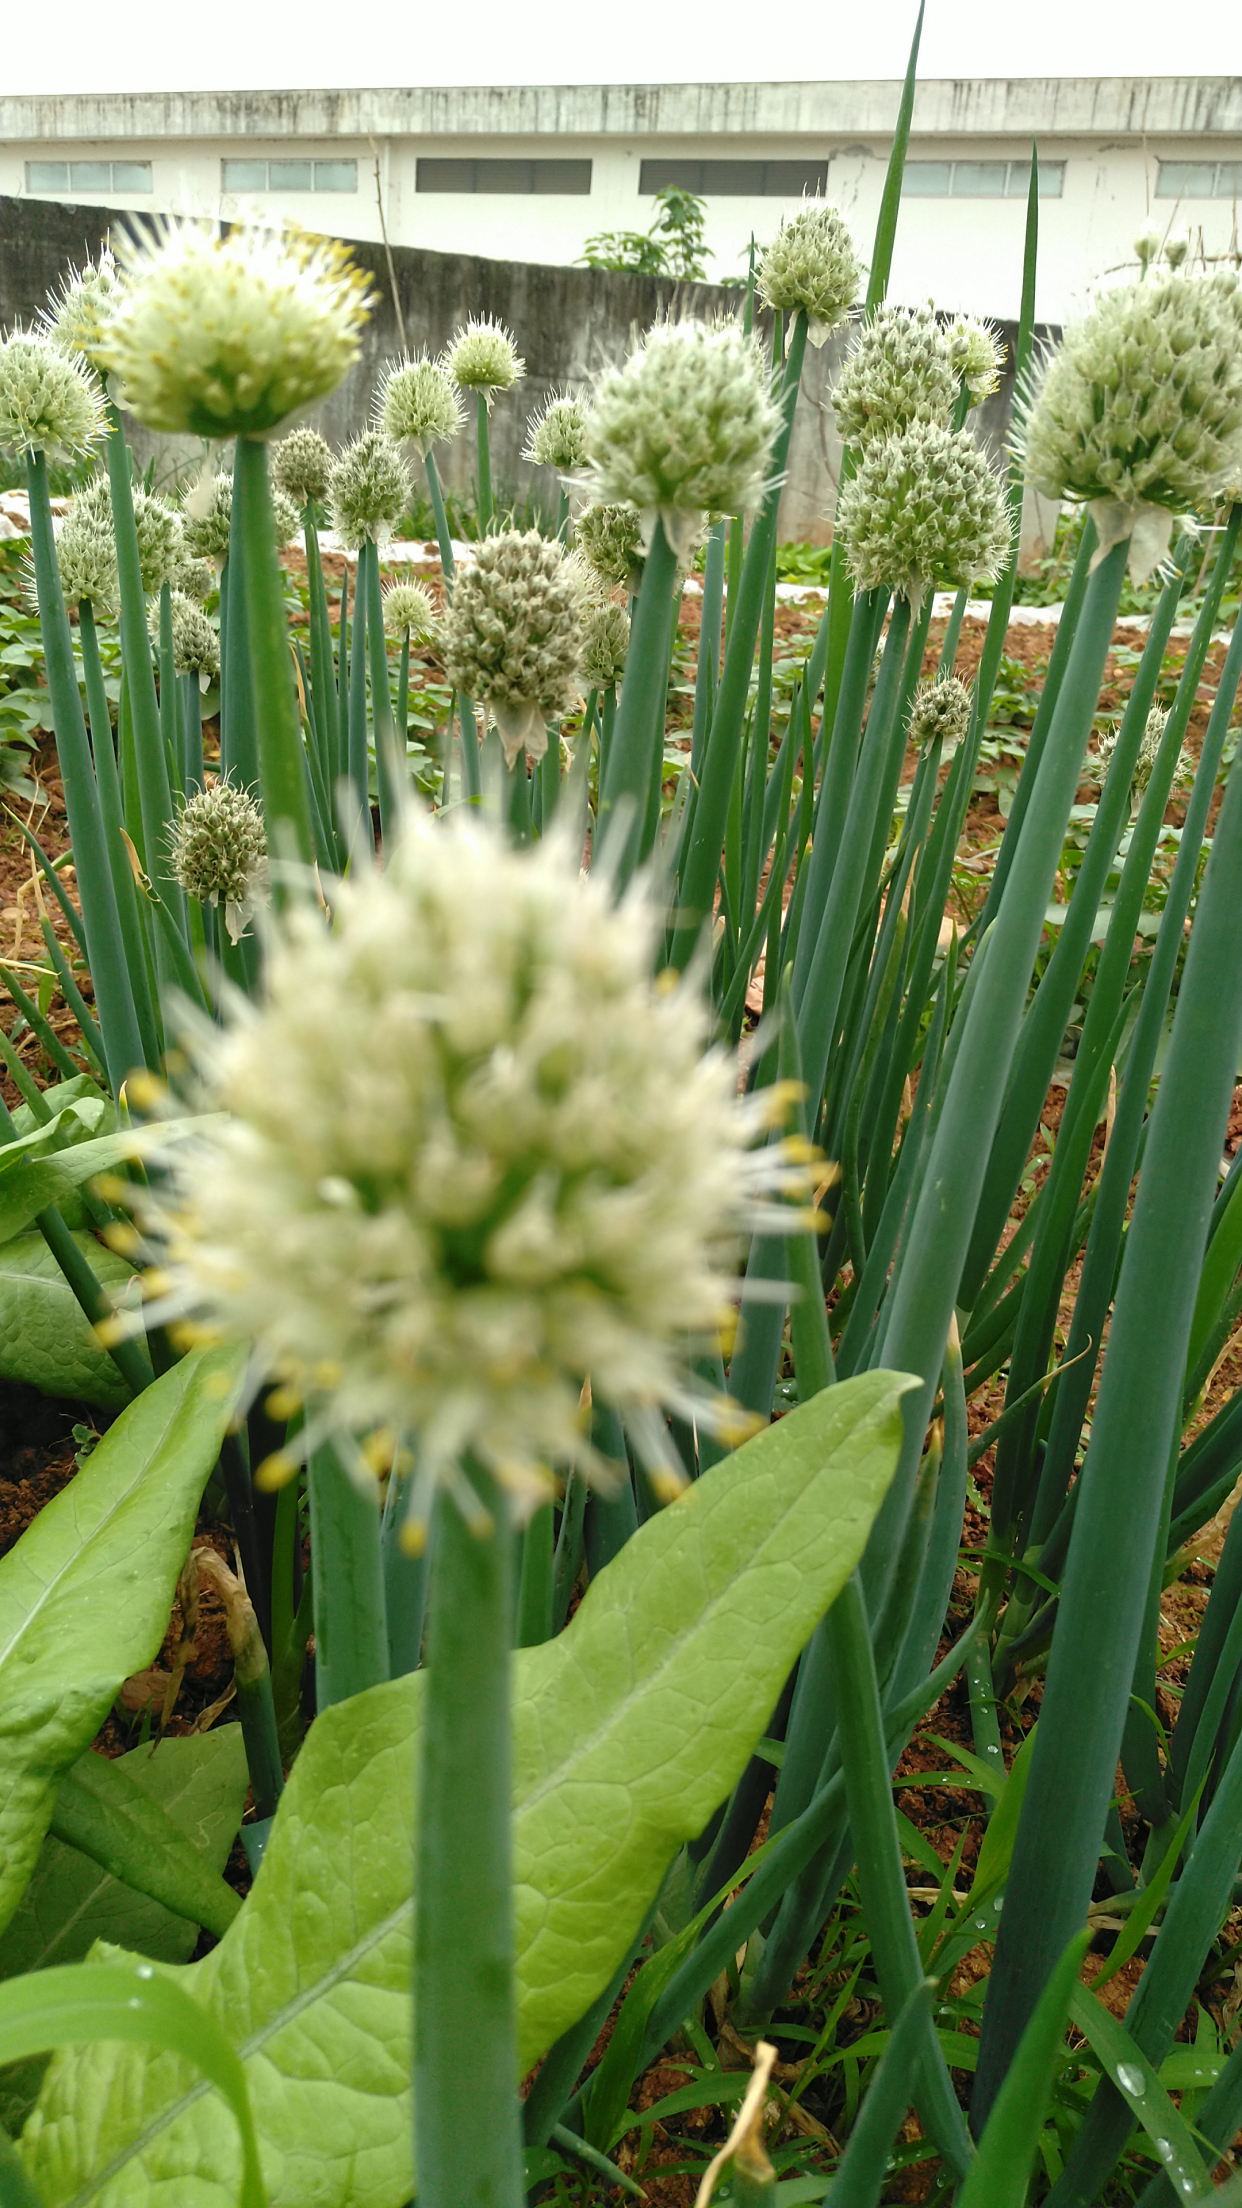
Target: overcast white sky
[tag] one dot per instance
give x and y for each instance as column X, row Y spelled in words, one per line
column 174, row 45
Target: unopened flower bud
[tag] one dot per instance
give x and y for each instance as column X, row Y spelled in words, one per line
column 940, row 713
column 978, row 356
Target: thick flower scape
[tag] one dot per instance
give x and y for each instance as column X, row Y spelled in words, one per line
column 609, row 539
column 218, row 851
column 606, row 640
column 900, row 369
column 940, row 713
column 368, row 489
column 811, row 264
column 161, row 541
column 514, row 1170
column 1142, row 402
column 408, row 611
column 206, row 534
column 301, row 466
column 82, row 307
column 924, row 509
column 49, row 400
column 512, row 637
column 229, row 336
column 685, row 427
column 557, row 437
column 483, row 357
column 418, row 405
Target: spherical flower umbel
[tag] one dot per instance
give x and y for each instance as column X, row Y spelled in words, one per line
column 418, row 405
column 205, row 524
column 1145, row 758
column 79, row 312
column 483, row 357
column 161, row 544
column 1140, row 406
column 685, row 426
column 195, row 640
column 609, row 539
column 368, row 490
column 517, row 1169
column 408, row 611
column 557, row 437
column 512, row 637
column 899, row 369
column 924, row 508
column 229, row 336
column 978, row 356
column 811, row 264
column 86, row 557
column 194, row 578
column 301, row 466
column 218, row 851
column 940, row 713
column 49, row 400
column 605, row 642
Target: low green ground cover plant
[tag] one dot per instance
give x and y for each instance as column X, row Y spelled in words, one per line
column 466, row 1149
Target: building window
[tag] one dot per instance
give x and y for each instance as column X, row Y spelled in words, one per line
column 288, row 176
column 736, row 179
column 1199, row 180
column 980, row 179
column 88, row 176
column 554, row 178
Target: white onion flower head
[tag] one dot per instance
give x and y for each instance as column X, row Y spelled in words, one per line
column 194, row 578
column 301, row 466
column 471, row 1155
column 686, row 426
column 924, row 509
column 79, row 312
column 409, row 611
column 368, row 490
column 218, row 851
column 1139, row 410
column 940, row 713
column 811, row 264
column 512, row 637
column 418, row 405
column 899, row 369
column 206, row 521
column 229, row 336
column 49, row 400
column 195, row 640
column 86, row 557
column 483, row 357
column 978, row 356
column 609, row 539
column 605, row 642
column 161, row 541
column 556, row 438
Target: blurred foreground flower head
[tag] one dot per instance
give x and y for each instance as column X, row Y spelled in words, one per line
column 229, row 336
column 473, row 1156
column 49, row 400
column 684, row 427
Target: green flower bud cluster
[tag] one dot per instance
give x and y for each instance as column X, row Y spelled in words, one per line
column 161, row 542
column 218, row 851
column 301, row 466
column 49, row 400
column 557, row 437
column 229, row 336
column 512, row 637
column 86, row 557
column 978, row 356
column 409, row 611
column 924, row 508
column 418, row 405
column 195, row 639
column 811, row 264
column 606, row 640
column 609, row 539
column 80, row 310
column 1142, row 402
column 368, row 490
column 483, row 357
column 900, row 369
column 207, row 533
column 687, row 425
column 940, row 713
column 194, row 578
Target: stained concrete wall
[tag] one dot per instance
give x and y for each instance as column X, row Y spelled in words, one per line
column 568, row 322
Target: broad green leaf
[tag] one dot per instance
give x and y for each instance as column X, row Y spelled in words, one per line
column 86, row 1593
column 628, row 1730
column 100, row 1811
column 46, row 1340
